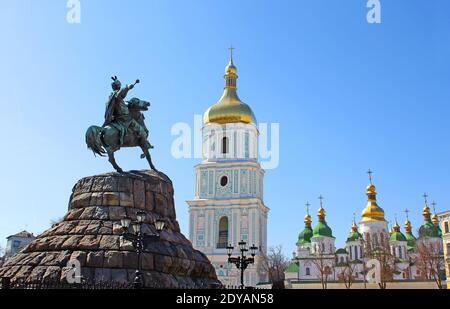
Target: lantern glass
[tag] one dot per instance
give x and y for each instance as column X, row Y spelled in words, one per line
column 136, row 228
column 230, row 249
column 140, row 216
column 253, row 250
column 159, row 224
column 242, row 245
column 125, row 222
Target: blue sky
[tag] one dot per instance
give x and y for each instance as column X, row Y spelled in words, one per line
column 348, row 96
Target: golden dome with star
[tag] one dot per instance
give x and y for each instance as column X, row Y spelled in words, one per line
column 229, row 108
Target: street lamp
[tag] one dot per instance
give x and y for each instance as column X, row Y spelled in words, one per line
column 140, row 240
column 242, row 261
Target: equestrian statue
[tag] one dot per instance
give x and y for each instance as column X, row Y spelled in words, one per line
column 123, row 126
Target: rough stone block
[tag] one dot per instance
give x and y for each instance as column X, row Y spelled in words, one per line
column 124, row 184
column 95, row 259
column 96, row 199
column 149, row 201
column 111, row 199
column 113, row 259
column 126, row 199
column 139, row 194
column 89, row 242
column 117, row 213
column 72, row 242
column 97, row 184
column 110, row 184
column 81, row 200
column 109, row 242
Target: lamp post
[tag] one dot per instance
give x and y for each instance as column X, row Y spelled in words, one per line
column 242, row 261
column 140, row 240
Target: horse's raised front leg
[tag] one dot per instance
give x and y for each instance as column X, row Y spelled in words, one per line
column 112, row 160
column 144, row 147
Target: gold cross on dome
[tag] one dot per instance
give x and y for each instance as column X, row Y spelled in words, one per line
column 231, row 52
column 370, row 175
column 406, row 212
column 321, row 200
column 307, row 207
column 425, row 196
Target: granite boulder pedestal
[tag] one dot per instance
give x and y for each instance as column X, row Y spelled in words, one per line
column 91, row 234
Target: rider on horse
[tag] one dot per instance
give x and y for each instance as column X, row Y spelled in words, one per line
column 117, row 114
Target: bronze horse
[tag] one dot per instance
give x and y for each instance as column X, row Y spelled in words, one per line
column 106, row 140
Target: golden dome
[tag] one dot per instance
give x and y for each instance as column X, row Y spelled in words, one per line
column 354, row 226
column 372, row 212
column 321, row 213
column 307, row 220
column 396, row 227
column 435, row 219
column 230, row 69
column 229, row 108
column 408, row 226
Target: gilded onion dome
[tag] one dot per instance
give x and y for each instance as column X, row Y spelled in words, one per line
column 322, row 228
column 354, row 234
column 305, row 236
column 427, row 229
column 229, row 108
column 396, row 234
column 410, row 238
column 435, row 220
column 372, row 212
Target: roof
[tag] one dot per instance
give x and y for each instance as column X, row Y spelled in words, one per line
column 23, row 234
column 322, row 229
column 428, row 229
column 397, row 236
column 411, row 241
column 305, row 236
column 341, row 251
column 292, row 268
column 354, row 236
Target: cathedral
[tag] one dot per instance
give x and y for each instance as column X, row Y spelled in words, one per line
column 228, row 206
column 317, row 256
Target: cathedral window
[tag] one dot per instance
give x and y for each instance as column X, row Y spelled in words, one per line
column 224, row 181
column 308, row 272
column 225, row 145
column 223, row 233
column 446, row 229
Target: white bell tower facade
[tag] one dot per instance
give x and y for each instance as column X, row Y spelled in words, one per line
column 228, row 205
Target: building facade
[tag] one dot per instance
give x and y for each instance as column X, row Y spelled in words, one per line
column 17, row 242
column 402, row 253
column 229, row 188
column 445, row 227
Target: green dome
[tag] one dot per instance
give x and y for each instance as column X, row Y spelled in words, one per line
column 439, row 231
column 341, row 251
column 411, row 241
column 305, row 236
column 322, row 229
column 292, row 268
column 354, row 236
column 397, row 236
column 428, row 229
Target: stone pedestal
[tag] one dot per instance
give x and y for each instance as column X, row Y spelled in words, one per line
column 91, row 233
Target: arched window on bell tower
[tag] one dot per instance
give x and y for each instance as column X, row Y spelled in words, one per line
column 225, row 145
column 223, row 233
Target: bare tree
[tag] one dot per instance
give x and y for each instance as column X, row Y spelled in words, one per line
column 274, row 263
column 430, row 262
column 380, row 251
column 347, row 274
column 324, row 266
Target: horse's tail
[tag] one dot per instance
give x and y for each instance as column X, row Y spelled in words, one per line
column 94, row 141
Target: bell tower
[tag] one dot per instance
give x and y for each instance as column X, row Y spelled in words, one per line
column 228, row 205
